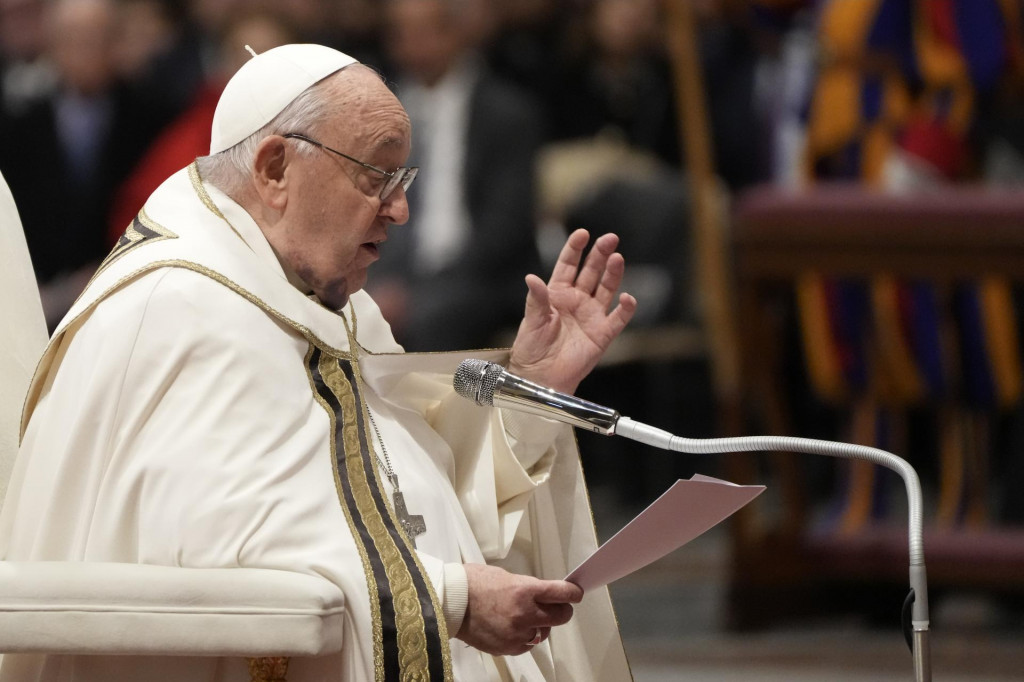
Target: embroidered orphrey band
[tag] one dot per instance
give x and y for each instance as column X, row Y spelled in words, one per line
column 142, row 230
column 410, row 640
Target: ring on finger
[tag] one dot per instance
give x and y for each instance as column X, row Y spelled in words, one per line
column 537, row 638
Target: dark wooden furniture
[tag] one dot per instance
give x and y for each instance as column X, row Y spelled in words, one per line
column 783, row 564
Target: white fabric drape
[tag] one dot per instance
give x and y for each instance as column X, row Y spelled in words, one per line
column 22, row 328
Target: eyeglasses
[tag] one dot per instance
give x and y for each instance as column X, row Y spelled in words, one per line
column 400, row 176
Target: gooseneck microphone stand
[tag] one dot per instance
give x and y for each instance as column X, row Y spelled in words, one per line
column 487, row 383
column 916, row 630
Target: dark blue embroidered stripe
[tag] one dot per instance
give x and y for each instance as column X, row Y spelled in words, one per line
column 390, row 653
column 434, row 647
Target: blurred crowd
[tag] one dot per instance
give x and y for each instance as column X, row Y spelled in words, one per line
column 529, row 116
column 521, row 109
column 534, row 117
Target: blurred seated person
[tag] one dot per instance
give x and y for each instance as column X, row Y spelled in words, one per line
column 187, row 137
column 64, row 154
column 160, row 52
column 619, row 80
column 603, row 183
column 25, row 73
column 451, row 278
column 614, row 158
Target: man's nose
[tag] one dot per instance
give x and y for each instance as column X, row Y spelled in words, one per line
column 396, row 207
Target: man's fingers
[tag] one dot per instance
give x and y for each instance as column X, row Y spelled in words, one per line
column 506, row 610
column 567, row 265
column 611, row 278
column 537, row 300
column 622, row 314
column 593, row 270
column 554, row 614
column 535, row 316
column 558, row 592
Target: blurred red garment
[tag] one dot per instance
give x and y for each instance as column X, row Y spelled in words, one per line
column 186, row 138
column 930, row 139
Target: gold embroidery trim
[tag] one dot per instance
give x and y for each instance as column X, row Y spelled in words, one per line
column 135, row 240
column 217, row 277
column 187, row 265
column 197, row 185
column 268, row 669
column 204, row 196
column 410, row 624
column 371, row 583
column 410, row 647
column 409, row 621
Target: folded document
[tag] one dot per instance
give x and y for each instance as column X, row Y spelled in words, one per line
column 683, row 512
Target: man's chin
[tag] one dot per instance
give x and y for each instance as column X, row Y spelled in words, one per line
column 334, row 298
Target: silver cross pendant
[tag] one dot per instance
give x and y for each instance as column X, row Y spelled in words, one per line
column 413, row 525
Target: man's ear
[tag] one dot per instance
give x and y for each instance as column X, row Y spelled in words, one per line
column 268, row 167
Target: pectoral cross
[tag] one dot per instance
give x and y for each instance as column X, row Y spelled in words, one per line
column 412, row 524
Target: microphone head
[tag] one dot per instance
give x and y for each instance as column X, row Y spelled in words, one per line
column 476, row 380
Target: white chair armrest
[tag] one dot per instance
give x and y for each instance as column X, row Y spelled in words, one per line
column 115, row 608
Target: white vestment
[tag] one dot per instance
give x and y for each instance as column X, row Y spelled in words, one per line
column 196, row 409
column 23, row 332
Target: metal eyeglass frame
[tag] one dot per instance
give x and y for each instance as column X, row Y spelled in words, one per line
column 404, row 175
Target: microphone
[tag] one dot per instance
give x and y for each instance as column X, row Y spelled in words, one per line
column 489, row 384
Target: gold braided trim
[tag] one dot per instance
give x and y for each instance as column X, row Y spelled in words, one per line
column 197, row 185
column 412, row 640
column 371, row 583
column 132, row 239
column 358, row 482
column 187, row 265
column 268, row 669
column 221, row 279
column 409, row 622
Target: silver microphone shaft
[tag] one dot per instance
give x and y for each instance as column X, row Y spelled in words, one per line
column 526, row 396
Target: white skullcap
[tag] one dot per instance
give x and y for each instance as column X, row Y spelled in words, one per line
column 265, row 85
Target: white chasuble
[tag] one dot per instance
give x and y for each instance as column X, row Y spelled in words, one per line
column 196, row 409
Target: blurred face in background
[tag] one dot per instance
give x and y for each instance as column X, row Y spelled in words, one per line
column 213, row 15
column 144, row 31
column 81, row 38
column 355, row 17
column 424, row 37
column 623, row 28
column 259, row 30
column 22, row 28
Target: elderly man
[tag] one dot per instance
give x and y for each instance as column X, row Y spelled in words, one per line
column 223, row 394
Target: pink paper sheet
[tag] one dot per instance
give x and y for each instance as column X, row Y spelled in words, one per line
column 683, row 512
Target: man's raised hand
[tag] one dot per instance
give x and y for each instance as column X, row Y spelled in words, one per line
column 570, row 321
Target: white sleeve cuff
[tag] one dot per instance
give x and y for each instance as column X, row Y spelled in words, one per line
column 530, row 436
column 456, row 597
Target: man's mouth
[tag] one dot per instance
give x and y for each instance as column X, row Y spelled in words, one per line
column 374, row 245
